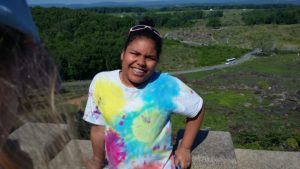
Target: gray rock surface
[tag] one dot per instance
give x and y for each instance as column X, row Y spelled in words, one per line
column 72, row 156
column 261, row 159
column 215, row 152
column 41, row 141
column 50, row 147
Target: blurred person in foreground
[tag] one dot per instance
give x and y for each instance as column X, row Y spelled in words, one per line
column 130, row 109
column 26, row 72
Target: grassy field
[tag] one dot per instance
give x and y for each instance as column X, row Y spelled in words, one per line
column 258, row 102
column 235, row 33
column 179, row 56
column 277, row 36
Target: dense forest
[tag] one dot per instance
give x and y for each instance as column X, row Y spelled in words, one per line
column 82, row 42
column 221, row 6
column 117, row 9
column 86, row 41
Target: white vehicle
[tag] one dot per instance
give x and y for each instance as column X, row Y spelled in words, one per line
column 230, row 60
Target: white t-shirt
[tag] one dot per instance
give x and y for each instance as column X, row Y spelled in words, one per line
column 137, row 120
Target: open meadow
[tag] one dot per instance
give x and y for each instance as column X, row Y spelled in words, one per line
column 258, row 102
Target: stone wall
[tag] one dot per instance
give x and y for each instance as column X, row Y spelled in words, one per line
column 51, row 147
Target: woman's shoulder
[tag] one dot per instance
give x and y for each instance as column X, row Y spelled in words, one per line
column 107, row 74
column 163, row 77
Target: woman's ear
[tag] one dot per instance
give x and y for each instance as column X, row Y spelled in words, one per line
column 122, row 54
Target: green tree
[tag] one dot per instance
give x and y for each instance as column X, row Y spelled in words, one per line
column 214, row 22
column 217, row 13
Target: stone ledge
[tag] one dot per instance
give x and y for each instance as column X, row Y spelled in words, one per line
column 253, row 159
column 212, row 150
column 41, row 141
column 72, row 155
column 49, row 146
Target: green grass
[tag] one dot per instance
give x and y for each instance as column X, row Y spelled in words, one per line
column 241, row 36
column 179, row 56
column 75, row 89
column 257, row 117
column 232, row 17
column 279, row 70
column 228, row 98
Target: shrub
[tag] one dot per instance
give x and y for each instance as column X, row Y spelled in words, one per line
column 246, row 138
column 214, row 22
column 272, row 140
column 263, row 85
column 291, row 143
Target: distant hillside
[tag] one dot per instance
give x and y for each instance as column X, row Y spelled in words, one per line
column 152, row 4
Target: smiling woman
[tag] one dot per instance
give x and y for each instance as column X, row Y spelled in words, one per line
column 130, row 109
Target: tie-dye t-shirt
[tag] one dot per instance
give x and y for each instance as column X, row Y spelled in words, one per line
column 137, row 120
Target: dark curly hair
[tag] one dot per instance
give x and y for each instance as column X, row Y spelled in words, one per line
column 148, row 33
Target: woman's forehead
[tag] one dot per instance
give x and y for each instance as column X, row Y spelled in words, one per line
column 143, row 42
column 143, row 45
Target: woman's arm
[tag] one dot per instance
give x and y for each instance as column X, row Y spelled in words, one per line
column 97, row 139
column 183, row 152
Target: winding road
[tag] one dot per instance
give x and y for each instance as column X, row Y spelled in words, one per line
column 242, row 59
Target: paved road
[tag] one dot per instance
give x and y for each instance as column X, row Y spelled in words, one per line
column 242, row 59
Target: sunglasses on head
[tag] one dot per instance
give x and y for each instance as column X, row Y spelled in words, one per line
column 141, row 27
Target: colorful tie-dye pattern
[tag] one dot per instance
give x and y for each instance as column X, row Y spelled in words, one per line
column 138, row 129
column 109, row 97
column 96, row 113
column 115, row 149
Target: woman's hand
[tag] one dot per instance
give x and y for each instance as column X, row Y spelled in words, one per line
column 183, row 153
column 97, row 139
column 183, row 157
column 94, row 163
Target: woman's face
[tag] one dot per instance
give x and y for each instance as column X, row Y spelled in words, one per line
column 138, row 61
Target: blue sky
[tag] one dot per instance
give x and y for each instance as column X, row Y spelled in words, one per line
column 78, row 1
column 94, row 1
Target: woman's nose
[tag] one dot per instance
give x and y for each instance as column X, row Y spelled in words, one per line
column 141, row 61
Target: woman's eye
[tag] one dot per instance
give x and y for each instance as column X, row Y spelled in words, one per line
column 134, row 53
column 151, row 58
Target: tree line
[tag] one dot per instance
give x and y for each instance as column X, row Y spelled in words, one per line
column 116, row 9
column 174, row 19
column 84, row 42
column 224, row 6
column 272, row 16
